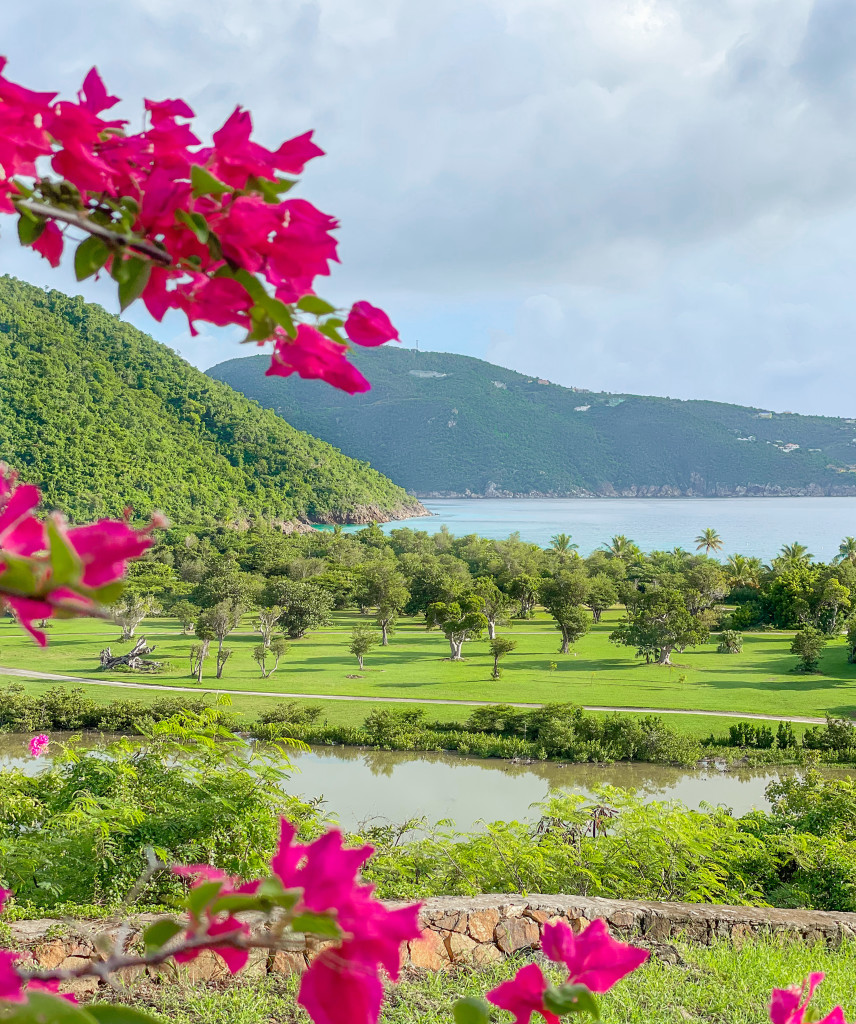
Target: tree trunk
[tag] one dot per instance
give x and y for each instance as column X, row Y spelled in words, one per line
column 202, row 656
column 565, row 648
column 491, row 628
column 360, row 660
column 665, row 658
column 596, row 614
column 455, row 646
column 384, row 627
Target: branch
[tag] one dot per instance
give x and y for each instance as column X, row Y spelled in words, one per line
column 113, row 238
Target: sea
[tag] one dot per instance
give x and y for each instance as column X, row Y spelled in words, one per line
column 750, row 526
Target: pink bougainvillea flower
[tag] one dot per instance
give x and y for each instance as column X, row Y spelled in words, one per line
column 368, row 325
column 337, row 991
column 523, row 995
column 11, row 988
column 311, row 355
column 593, row 957
column 38, row 744
column 106, row 547
column 50, row 243
column 37, row 985
column 4, row 895
column 789, row 1005
column 234, row 957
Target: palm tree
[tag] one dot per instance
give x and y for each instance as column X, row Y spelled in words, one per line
column 847, row 550
column 708, row 539
column 622, row 547
column 795, row 554
column 742, row 571
column 561, row 543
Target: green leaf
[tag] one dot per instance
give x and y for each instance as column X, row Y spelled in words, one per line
column 135, row 278
column 109, row 593
column 29, row 228
column 471, row 1010
column 196, row 222
column 331, row 331
column 254, row 287
column 263, row 326
column 112, row 1013
column 312, row 304
column 66, row 567
column 571, row 999
column 205, row 184
column 19, row 576
column 278, row 312
column 201, row 895
column 159, row 933
column 239, row 901
column 270, row 188
column 91, row 255
column 316, row 924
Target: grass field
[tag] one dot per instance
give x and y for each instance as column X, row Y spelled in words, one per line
column 714, row 984
column 415, row 665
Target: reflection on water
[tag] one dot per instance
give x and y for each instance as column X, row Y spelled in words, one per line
column 361, row 785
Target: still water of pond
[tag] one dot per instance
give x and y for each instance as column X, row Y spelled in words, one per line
column 380, row 786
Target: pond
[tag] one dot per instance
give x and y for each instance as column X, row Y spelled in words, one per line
column 380, row 786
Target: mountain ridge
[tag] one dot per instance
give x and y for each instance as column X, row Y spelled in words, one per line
column 100, row 415
column 446, row 425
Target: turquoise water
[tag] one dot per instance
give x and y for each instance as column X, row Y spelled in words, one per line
column 751, row 526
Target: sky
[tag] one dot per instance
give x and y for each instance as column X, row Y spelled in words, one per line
column 648, row 196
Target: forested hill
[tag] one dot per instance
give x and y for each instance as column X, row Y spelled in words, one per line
column 101, row 416
column 449, row 424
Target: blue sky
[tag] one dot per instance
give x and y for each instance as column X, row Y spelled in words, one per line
column 655, row 196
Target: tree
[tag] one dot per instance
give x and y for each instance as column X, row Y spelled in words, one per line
column 304, row 606
column 385, row 589
column 847, row 551
column 499, row 647
column 741, row 571
column 563, row 596
column 221, row 620
column 563, row 546
column 131, row 611
column 275, row 649
column 794, row 554
column 708, row 540
column 832, row 598
column 266, row 622
column 808, row 645
column 524, row 588
column 730, row 642
column 602, row 595
column 186, row 613
column 495, row 605
column 459, row 620
column 660, row 624
column 361, row 642
column 223, row 655
column 622, row 547
column 851, row 640
column 199, row 652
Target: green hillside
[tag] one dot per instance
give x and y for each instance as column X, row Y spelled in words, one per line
column 100, row 416
column 441, row 423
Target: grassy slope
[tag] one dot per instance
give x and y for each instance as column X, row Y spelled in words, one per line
column 527, row 436
column 717, row 984
column 101, row 416
column 758, row 680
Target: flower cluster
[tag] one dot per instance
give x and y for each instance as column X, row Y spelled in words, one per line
column 206, row 230
column 39, row 744
column 594, row 960
column 12, row 985
column 50, row 569
column 320, row 884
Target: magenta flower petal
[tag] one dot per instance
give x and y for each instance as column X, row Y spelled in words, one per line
column 593, row 957
column 11, row 988
column 523, row 995
column 368, row 325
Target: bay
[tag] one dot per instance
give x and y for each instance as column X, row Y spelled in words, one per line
column 750, row 526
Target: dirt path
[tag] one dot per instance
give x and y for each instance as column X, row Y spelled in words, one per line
column 26, row 674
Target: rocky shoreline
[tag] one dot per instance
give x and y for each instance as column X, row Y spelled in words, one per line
column 362, row 515
column 657, row 491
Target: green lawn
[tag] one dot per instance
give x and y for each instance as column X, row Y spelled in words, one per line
column 760, row 680
column 715, row 984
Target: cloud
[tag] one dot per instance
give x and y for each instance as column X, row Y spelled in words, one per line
column 602, row 191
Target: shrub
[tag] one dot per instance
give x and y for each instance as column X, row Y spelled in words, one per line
column 730, row 642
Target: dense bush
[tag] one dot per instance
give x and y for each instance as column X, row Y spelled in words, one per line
column 730, row 642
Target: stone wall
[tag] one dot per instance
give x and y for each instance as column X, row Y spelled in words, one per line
column 463, row 930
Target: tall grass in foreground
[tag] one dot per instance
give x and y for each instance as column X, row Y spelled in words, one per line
column 717, row 984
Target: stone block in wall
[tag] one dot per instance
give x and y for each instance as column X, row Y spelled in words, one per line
column 517, row 933
column 287, row 962
column 481, row 924
column 487, row 953
column 460, row 948
column 429, row 951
